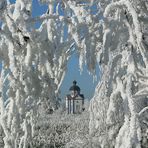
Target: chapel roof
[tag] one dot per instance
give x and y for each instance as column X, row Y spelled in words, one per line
column 74, row 87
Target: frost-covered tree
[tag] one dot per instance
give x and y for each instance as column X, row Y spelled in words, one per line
column 110, row 32
column 36, row 60
column 117, row 110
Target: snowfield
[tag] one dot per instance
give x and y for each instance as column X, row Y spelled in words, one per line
column 58, row 130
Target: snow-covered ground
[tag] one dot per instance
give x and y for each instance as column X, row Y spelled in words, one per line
column 58, row 130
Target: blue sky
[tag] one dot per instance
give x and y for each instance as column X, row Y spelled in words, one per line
column 84, row 80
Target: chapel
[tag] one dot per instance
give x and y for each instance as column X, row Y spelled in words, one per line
column 74, row 100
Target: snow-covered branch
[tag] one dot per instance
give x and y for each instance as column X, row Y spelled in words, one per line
column 143, row 110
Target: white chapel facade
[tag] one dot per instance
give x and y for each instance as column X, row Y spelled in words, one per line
column 74, row 100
